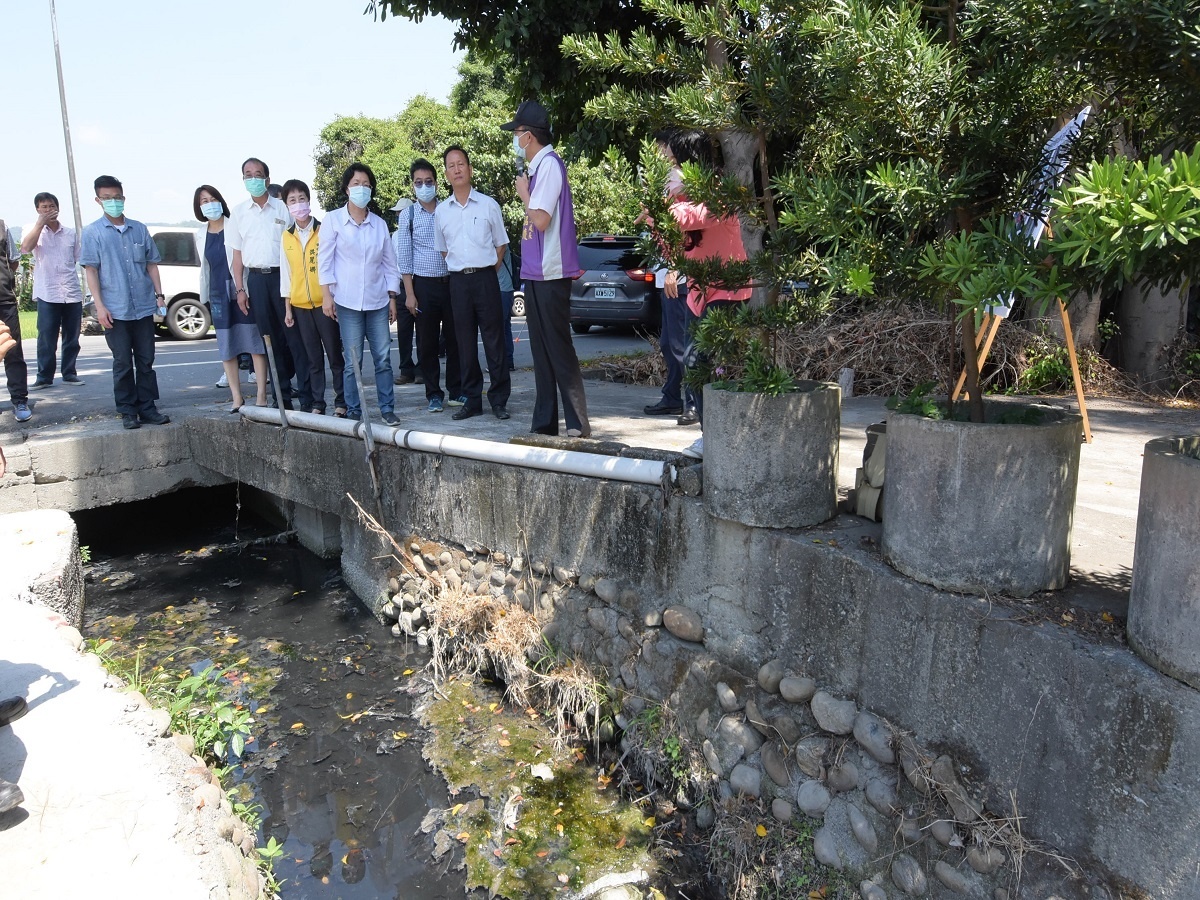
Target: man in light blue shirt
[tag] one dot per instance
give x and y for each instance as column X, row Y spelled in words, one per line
column 120, row 261
column 427, row 288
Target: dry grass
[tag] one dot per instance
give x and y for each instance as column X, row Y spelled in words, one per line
column 892, row 349
column 480, row 635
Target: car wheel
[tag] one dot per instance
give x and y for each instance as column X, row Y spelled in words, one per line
column 581, row 327
column 188, row 319
column 519, row 305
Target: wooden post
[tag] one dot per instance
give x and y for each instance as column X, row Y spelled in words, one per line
column 1066, row 320
column 985, row 338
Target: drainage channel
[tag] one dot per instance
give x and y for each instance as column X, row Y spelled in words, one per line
column 335, row 762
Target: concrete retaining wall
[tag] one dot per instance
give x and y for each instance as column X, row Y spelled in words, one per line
column 1100, row 748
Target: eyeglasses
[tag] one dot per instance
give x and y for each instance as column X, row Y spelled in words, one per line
column 428, row 182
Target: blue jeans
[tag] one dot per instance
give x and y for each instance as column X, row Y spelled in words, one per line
column 53, row 318
column 373, row 325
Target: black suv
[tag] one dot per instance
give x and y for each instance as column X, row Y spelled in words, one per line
column 615, row 287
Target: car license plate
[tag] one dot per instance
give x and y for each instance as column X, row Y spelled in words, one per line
column 604, row 293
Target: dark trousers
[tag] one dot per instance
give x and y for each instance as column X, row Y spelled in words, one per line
column 321, row 338
column 692, row 357
column 555, row 365
column 53, row 319
column 673, row 341
column 135, row 385
column 476, row 302
column 15, row 370
column 406, row 331
column 506, row 305
column 434, row 316
column 290, row 359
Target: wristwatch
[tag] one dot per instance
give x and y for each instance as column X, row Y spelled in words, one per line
column 160, row 296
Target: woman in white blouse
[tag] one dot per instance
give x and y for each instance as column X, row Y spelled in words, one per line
column 359, row 285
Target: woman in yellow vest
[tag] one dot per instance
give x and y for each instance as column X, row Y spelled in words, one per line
column 302, row 296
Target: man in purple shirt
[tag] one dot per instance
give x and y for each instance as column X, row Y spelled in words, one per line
column 549, row 262
column 56, row 290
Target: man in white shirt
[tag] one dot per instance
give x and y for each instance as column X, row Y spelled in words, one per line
column 470, row 235
column 254, row 233
column 56, row 290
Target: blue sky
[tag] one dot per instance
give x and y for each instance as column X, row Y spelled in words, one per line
column 168, row 95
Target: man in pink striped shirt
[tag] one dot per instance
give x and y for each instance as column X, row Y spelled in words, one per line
column 56, row 290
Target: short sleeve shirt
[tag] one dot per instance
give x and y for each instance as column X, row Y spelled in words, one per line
column 120, row 256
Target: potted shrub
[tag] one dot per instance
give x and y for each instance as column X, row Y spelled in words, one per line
column 770, row 440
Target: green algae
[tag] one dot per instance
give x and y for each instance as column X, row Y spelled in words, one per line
column 531, row 837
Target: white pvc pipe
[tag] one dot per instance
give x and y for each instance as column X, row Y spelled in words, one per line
column 571, row 462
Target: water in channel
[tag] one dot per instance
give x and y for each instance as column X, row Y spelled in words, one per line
column 189, row 580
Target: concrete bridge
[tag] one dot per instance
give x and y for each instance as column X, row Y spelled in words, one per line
column 1100, row 749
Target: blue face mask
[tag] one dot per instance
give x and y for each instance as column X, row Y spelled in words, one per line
column 212, row 211
column 113, row 208
column 517, row 148
column 426, row 192
column 360, row 195
column 256, row 186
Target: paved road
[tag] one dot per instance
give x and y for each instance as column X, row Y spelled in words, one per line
column 188, row 371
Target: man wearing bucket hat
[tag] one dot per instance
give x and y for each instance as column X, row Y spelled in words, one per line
column 549, row 262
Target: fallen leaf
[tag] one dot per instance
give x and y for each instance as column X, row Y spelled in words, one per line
column 407, row 672
column 1106, row 618
column 349, row 696
column 492, row 706
column 761, row 830
column 297, row 726
column 511, row 841
column 563, row 878
column 621, row 842
column 560, row 828
column 649, row 823
column 542, row 854
column 463, row 836
column 497, row 852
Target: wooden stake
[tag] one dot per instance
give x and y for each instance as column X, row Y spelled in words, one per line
column 1066, row 320
column 985, row 337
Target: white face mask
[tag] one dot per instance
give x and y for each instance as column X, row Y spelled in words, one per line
column 517, row 148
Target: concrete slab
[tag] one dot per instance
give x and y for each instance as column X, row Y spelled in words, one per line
column 107, row 808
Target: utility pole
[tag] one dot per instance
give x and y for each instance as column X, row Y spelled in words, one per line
column 62, row 102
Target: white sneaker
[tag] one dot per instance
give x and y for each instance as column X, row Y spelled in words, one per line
column 253, row 380
column 695, row 450
column 223, row 381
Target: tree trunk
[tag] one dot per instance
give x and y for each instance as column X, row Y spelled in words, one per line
column 1150, row 320
column 739, row 149
column 1084, row 310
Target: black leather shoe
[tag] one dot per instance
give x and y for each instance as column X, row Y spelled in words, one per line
column 660, row 409
column 12, row 709
column 10, row 796
column 130, row 421
column 465, row 413
column 689, row 417
column 153, row 418
column 500, row 412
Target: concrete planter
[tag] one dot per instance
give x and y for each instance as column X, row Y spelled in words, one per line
column 981, row 507
column 1164, row 601
column 772, row 461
